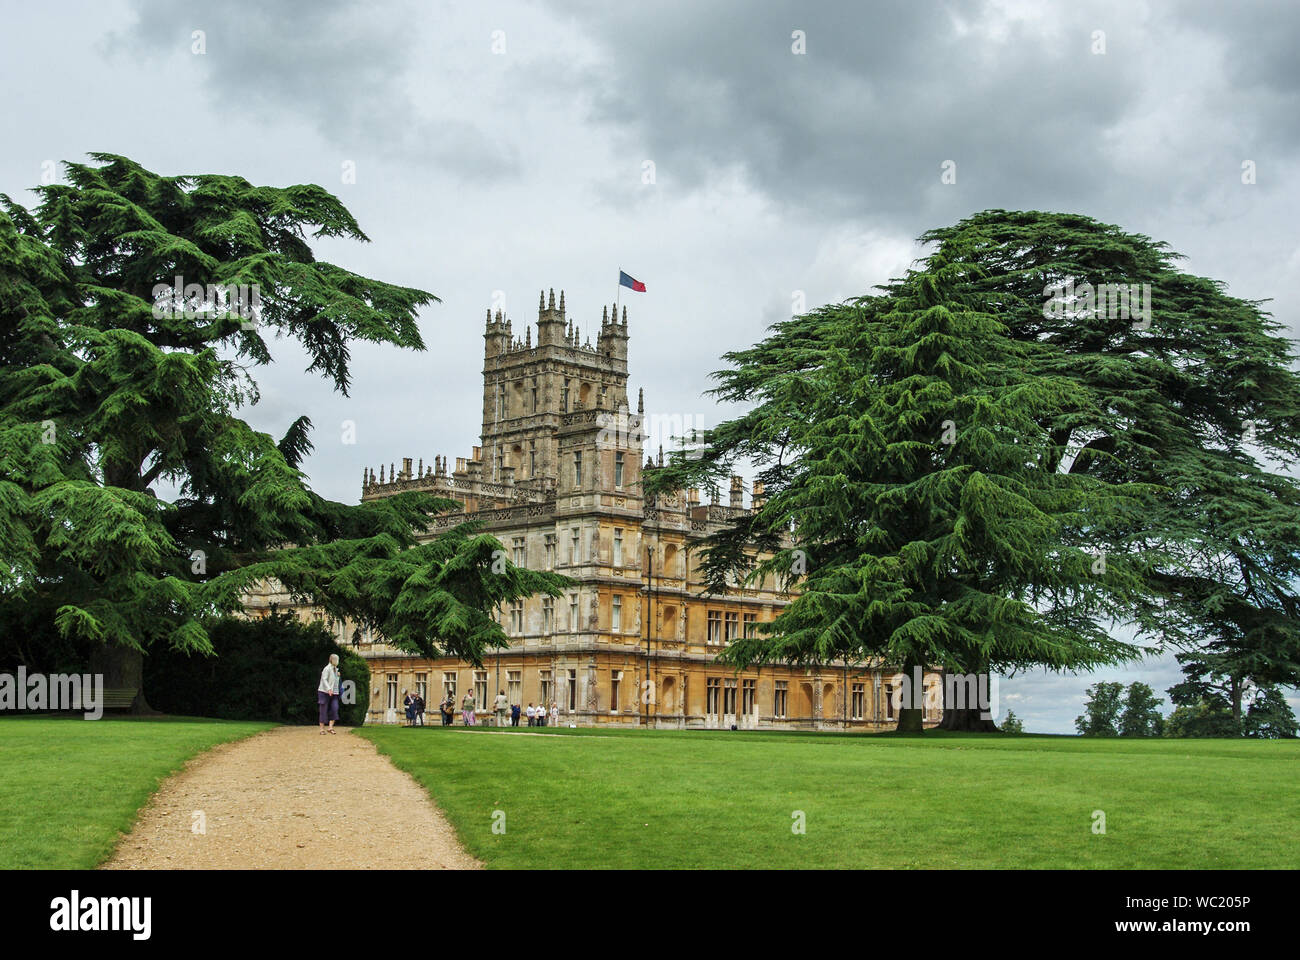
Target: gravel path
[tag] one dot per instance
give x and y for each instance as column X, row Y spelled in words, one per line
column 290, row 799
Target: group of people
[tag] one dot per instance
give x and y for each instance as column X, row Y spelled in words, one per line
column 414, row 704
column 506, row 713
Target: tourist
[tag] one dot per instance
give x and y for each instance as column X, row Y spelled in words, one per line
column 408, row 702
column 555, row 714
column 447, row 708
column 419, row 710
column 514, row 715
column 467, row 709
column 501, row 707
column 327, row 694
column 531, row 713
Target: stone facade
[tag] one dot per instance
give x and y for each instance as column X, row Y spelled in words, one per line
column 557, row 479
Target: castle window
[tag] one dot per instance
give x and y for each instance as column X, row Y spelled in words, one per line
column 748, row 691
column 573, row 690
column 514, row 685
column 732, row 621
column 532, row 453
column 544, row 685
column 618, row 470
column 480, row 690
column 751, row 625
column 449, row 685
column 616, row 615
column 534, row 399
column 729, row 696
column 614, row 679
column 550, row 551
column 715, row 627
column 392, row 691
column 858, row 701
column 577, row 469
column 518, row 548
column 618, row 548
column 564, row 397
column 573, row 613
column 548, row 615
column 573, row 550
column 712, row 695
column 779, row 696
column 517, row 617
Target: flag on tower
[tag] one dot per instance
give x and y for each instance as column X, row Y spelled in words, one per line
column 625, row 281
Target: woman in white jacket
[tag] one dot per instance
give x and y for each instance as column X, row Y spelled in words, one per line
column 327, row 694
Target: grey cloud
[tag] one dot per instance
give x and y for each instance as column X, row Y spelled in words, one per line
column 860, row 124
column 331, row 64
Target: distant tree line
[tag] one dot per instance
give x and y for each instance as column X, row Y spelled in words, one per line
column 1200, row 710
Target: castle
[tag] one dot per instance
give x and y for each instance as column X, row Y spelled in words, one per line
column 557, row 479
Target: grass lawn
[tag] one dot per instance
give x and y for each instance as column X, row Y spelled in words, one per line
column 658, row 799
column 69, row 786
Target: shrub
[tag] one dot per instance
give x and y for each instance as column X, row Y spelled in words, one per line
column 266, row 669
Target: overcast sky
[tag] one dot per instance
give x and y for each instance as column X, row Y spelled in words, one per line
column 507, row 147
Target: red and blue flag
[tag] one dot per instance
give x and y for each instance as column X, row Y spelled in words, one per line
column 625, row 281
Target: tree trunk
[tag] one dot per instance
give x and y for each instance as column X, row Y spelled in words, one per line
column 963, row 719
column 122, row 668
column 1237, row 687
column 911, row 715
column 966, row 721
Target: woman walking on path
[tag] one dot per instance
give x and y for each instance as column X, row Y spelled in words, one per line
column 327, row 694
column 467, row 710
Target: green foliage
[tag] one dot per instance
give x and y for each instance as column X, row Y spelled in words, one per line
column 111, row 387
column 1011, row 723
column 1202, row 717
column 1208, row 709
column 1101, row 711
column 907, row 453
column 1141, row 715
column 263, row 669
column 1270, row 717
column 1072, row 432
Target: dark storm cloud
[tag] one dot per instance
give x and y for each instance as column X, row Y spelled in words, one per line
column 332, row 64
column 860, row 125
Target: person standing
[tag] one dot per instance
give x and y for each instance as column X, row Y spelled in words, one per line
column 327, row 694
column 408, row 703
column 467, row 709
column 446, row 708
column 514, row 714
column 501, row 706
column 419, row 710
column 531, row 714
column 555, row 714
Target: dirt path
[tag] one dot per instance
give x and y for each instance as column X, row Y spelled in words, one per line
column 289, row 799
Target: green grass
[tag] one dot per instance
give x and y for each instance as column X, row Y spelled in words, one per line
column 69, row 786
column 656, row 799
